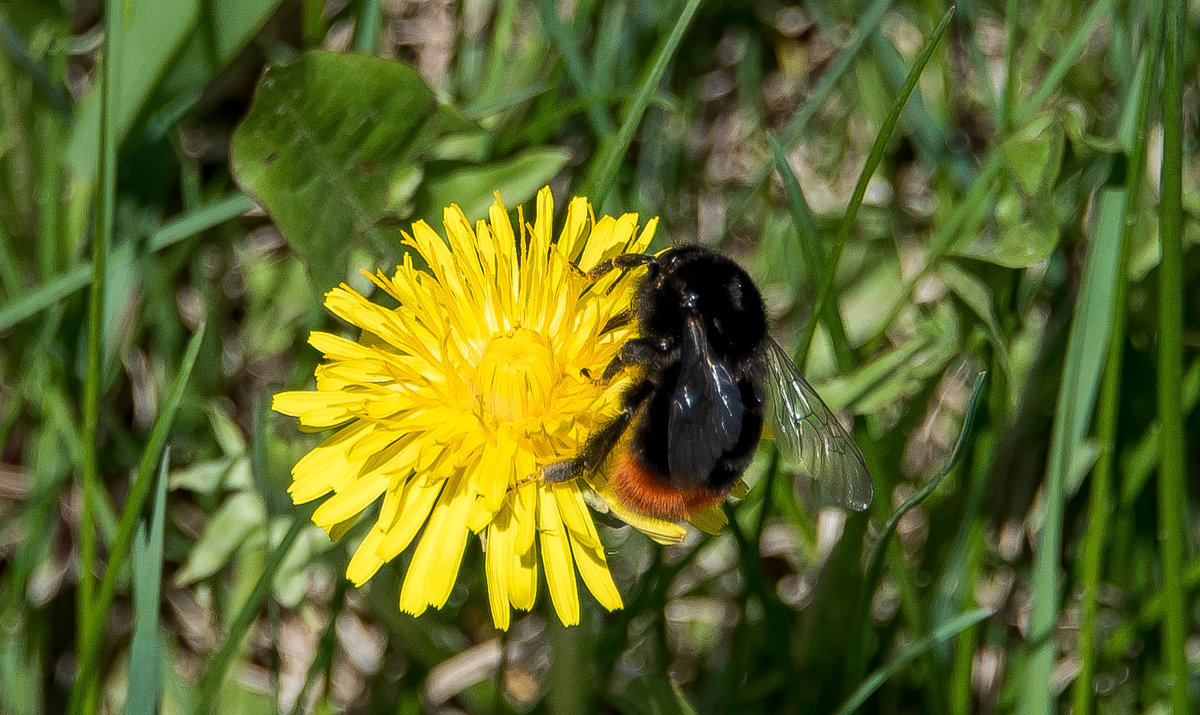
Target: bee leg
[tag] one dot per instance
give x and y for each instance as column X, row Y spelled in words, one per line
column 639, row 351
column 625, row 261
column 563, row 471
column 597, row 448
column 600, row 443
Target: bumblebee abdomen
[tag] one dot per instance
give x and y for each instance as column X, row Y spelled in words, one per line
column 643, row 489
column 651, row 433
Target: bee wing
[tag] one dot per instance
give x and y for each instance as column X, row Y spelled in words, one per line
column 706, row 409
column 808, row 433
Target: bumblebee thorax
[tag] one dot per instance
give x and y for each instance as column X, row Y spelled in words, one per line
column 694, row 279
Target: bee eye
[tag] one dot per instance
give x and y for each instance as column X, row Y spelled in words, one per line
column 690, row 300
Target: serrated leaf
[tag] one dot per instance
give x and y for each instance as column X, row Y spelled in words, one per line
column 226, row 432
column 1018, row 241
column 242, row 513
column 322, row 141
column 1033, row 154
column 203, row 477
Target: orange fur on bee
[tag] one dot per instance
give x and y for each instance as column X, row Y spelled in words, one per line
column 644, row 493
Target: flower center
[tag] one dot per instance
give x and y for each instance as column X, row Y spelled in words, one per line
column 515, row 376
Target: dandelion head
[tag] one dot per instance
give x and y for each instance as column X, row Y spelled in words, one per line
column 449, row 404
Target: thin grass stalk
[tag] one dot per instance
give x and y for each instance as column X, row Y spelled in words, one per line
column 1012, row 13
column 862, row 607
column 601, row 180
column 85, row 696
column 1100, row 494
column 943, row 633
column 325, row 648
column 1172, row 494
column 860, row 189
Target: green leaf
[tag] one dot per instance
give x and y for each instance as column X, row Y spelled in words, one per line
column 291, row 581
column 219, row 665
column 978, row 297
column 1033, row 154
column 1075, row 124
column 321, row 145
column 204, row 477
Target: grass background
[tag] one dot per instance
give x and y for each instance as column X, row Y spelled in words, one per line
column 1029, row 210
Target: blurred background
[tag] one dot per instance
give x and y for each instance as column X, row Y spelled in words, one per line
column 1008, row 216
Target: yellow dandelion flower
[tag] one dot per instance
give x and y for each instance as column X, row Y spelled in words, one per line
column 452, row 402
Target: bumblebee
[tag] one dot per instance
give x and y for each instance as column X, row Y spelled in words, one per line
column 707, row 376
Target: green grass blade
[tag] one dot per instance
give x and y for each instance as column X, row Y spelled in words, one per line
column 1101, row 496
column 366, row 31
column 171, row 232
column 969, row 211
column 145, row 679
column 964, row 218
column 44, row 296
column 157, row 31
column 1070, row 53
column 1086, row 345
column 201, row 218
column 1008, row 100
column 860, row 189
column 210, row 684
column 142, row 482
column 602, row 178
column 18, row 50
column 906, row 655
column 1172, row 474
